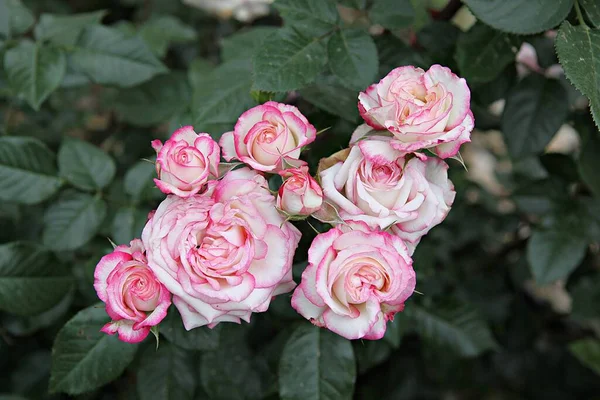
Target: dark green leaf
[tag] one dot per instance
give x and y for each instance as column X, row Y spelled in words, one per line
column 287, row 61
column 73, row 220
column 589, row 162
column 392, row 14
column 459, row 329
column 353, row 58
column 159, row 32
column 553, row 255
column 316, row 364
column 586, row 298
column 482, row 53
column 587, row 351
column 65, row 29
column 357, row 4
column 83, row 358
column 222, row 98
column 230, row 372
column 110, row 57
column 198, row 70
column 329, row 95
column 535, row 110
column 439, row 39
column 560, row 165
column 202, row 338
column 31, row 280
column 84, row 165
column 242, row 45
column 592, row 10
column 154, row 101
column 139, row 183
column 34, row 71
column 521, row 16
column 394, row 53
column 166, row 374
column 128, row 224
column 27, row 170
column 578, row 50
column 311, row 17
column 15, row 18
column 370, row 353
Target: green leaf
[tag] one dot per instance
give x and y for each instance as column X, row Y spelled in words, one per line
column 230, row 372
column 83, row 358
column 329, row 95
column 109, row 57
column 198, row 71
column 393, row 53
column 591, row 8
column 316, row 364
column 34, row 71
column 353, row 58
column 392, row 14
column 222, row 98
column 202, row 338
column 589, row 163
column 84, row 165
column 357, row 4
column 311, row 17
column 521, row 16
column 65, row 29
column 553, row 255
column 27, row 170
column 535, row 110
column 166, row 374
column 139, row 183
column 459, row 329
column 31, row 280
column 578, row 50
column 242, row 45
column 154, row 101
column 72, row 220
column 287, row 61
column 128, row 224
column 482, row 53
column 560, row 165
column 15, row 18
column 586, row 298
column 587, row 351
column 159, row 32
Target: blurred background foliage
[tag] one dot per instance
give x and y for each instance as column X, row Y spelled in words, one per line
column 510, row 282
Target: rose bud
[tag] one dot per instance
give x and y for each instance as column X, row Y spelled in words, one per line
column 299, row 194
column 269, row 137
column 185, row 162
column 135, row 300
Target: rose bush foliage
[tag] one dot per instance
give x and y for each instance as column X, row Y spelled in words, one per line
column 299, row 199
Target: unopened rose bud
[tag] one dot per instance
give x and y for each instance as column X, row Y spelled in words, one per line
column 300, row 194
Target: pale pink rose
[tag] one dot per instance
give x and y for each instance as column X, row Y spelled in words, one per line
column 355, row 281
column 135, row 300
column 422, row 110
column 185, row 162
column 223, row 254
column 269, row 136
column 299, row 194
column 379, row 185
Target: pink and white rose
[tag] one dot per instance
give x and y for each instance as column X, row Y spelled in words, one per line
column 269, row 137
column 185, row 162
column 223, row 254
column 355, row 281
column 135, row 300
column 383, row 187
column 299, row 194
column 422, row 109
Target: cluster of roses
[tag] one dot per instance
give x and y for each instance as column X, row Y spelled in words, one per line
column 221, row 244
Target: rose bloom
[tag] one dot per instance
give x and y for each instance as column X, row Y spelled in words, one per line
column 135, row 300
column 242, row 10
column 355, row 281
column 377, row 184
column 185, row 162
column 223, row 254
column 269, row 136
column 299, row 194
column 421, row 109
